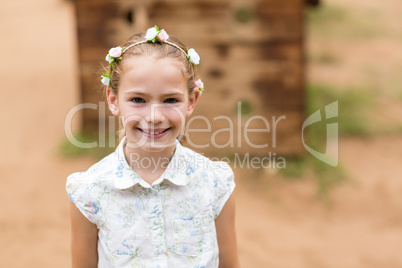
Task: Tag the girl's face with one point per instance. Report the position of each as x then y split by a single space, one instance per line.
153 101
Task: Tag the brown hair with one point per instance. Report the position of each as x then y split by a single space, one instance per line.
158 50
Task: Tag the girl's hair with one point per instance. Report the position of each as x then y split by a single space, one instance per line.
158 50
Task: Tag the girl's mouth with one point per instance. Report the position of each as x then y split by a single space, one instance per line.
155 133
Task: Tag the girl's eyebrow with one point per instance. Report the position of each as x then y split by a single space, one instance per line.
142 93
173 93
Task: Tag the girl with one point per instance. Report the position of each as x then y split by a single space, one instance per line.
153 202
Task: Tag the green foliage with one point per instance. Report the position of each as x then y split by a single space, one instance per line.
353 106
338 30
353 109
325 14
68 149
326 176
245 108
294 167
244 15
307 166
330 20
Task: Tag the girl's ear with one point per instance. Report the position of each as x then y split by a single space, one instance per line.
193 98
112 101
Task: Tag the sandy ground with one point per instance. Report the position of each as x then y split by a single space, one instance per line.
360 228
280 225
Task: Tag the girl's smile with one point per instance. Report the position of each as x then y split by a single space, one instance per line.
155 133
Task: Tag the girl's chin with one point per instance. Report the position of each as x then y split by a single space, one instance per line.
156 146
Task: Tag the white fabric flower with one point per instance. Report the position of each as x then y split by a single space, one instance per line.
115 52
151 33
199 84
105 81
163 36
194 57
109 59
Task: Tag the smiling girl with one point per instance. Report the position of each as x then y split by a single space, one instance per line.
153 202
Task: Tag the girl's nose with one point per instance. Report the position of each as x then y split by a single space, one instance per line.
155 114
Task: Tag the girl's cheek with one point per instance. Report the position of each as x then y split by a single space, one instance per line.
176 115
131 119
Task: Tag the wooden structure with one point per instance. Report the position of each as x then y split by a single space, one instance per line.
251 52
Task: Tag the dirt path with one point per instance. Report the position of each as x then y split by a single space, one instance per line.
361 228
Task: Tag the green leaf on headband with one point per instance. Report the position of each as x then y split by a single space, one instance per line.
106 75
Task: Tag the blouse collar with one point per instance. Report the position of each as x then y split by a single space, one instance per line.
125 177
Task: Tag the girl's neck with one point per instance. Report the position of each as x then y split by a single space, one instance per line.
147 164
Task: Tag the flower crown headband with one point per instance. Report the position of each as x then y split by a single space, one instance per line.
153 35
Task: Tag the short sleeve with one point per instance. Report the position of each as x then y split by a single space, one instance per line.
224 185
78 190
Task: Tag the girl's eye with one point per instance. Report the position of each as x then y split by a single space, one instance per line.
171 100
138 100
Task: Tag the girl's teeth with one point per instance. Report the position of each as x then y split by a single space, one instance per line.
153 133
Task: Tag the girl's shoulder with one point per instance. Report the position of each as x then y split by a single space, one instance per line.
213 177
85 189
94 175
212 166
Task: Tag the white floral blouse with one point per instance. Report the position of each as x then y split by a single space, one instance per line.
167 224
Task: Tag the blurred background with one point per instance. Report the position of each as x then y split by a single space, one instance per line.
277 58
